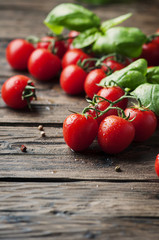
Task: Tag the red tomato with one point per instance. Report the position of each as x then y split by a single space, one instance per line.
157 165
150 51
73 56
72 79
18 52
47 42
112 64
93 78
72 34
14 89
145 123
44 65
79 131
111 93
115 134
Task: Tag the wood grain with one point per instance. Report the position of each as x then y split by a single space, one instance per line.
145 16
50 157
75 210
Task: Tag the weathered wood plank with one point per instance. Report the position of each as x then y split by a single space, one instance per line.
24 17
50 157
79 210
16 25
52 106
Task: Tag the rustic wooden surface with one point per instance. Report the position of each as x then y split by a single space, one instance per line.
50 192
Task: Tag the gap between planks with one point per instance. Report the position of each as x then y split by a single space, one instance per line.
30 124
63 180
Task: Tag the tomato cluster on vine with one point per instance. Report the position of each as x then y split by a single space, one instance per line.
118 124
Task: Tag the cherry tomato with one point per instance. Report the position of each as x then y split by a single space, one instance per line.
115 134
112 65
44 65
72 56
52 43
18 52
79 131
15 88
72 34
145 123
150 51
93 78
111 93
157 165
72 79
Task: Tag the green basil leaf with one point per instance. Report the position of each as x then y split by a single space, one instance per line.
115 21
86 38
123 40
129 77
149 95
71 16
153 75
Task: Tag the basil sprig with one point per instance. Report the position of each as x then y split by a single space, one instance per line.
103 38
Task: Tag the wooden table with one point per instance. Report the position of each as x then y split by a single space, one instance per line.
50 192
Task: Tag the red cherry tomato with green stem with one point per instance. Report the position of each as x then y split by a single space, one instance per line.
53 44
115 134
43 65
79 131
111 93
18 91
18 52
144 121
72 79
112 65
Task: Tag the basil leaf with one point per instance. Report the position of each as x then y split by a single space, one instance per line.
71 16
129 77
86 38
149 95
153 75
123 40
115 21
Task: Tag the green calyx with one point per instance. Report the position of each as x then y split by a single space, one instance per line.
29 93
